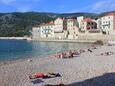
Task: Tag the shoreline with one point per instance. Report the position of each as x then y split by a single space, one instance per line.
16 38
7 62
49 40
64 40
58 40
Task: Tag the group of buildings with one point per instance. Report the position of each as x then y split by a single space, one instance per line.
62 28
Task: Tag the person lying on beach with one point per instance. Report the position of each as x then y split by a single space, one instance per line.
75 53
44 75
65 55
69 54
93 47
107 53
81 51
61 55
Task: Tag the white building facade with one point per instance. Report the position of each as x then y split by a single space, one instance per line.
47 31
59 25
59 29
79 20
72 28
43 31
108 24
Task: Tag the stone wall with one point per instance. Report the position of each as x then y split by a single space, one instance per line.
95 37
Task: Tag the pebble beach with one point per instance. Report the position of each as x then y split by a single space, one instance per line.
87 69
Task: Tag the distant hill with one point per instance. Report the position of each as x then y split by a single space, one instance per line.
20 24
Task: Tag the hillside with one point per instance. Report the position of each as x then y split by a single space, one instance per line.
20 24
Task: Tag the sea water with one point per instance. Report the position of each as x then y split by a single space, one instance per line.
20 49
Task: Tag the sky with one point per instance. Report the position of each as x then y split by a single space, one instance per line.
57 6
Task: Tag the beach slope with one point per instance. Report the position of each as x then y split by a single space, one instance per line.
75 71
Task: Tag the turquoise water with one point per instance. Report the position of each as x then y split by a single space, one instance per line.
19 49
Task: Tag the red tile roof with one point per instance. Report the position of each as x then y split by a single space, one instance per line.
51 22
63 19
87 20
111 14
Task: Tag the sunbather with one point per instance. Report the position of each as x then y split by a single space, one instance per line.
63 55
93 46
81 51
44 75
58 55
108 53
76 53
